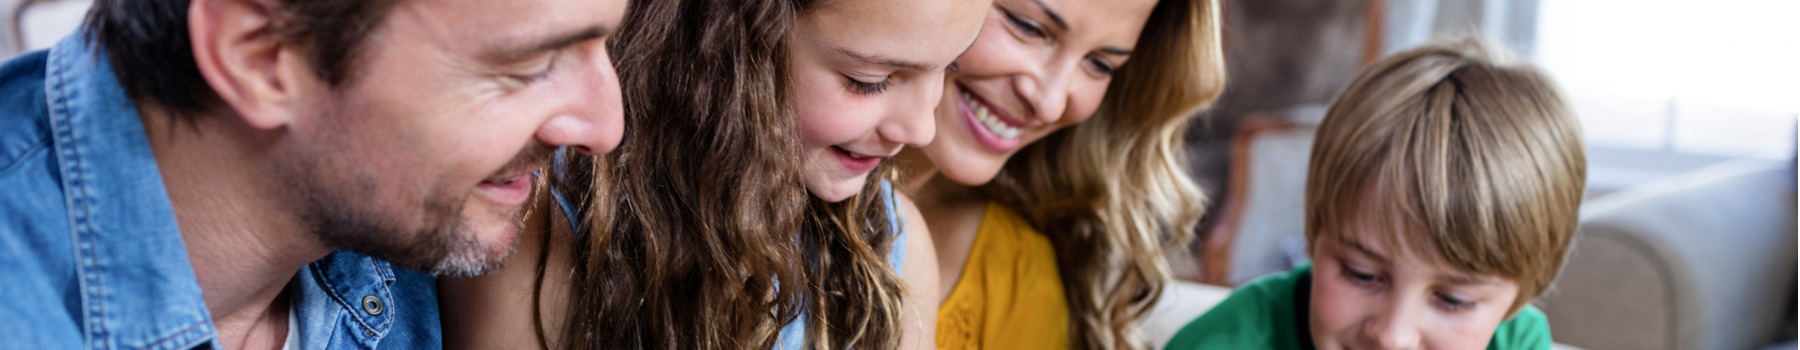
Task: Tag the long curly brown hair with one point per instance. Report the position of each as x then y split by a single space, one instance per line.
693 225
855 294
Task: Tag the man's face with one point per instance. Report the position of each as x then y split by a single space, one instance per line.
424 155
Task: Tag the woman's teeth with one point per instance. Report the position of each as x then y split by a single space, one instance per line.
988 120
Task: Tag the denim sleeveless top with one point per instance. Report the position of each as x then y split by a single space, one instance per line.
793 335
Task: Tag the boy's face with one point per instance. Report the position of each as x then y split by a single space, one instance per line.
1366 295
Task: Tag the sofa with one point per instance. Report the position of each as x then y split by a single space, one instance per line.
1705 260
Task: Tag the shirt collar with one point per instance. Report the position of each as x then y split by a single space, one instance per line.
1303 308
137 287
345 295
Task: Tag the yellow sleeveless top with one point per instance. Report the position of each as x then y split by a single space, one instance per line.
1010 295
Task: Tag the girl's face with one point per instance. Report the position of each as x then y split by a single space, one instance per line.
866 75
1039 66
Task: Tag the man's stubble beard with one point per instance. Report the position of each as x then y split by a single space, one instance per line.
338 202
342 216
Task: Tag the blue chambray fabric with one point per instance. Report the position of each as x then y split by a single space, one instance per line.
90 253
793 335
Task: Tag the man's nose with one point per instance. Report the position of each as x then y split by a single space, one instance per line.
594 120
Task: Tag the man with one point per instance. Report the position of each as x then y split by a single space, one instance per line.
252 173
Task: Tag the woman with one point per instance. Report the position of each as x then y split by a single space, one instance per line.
738 212
1056 177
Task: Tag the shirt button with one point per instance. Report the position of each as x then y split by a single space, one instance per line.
371 304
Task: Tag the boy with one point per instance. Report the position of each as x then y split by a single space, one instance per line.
1442 199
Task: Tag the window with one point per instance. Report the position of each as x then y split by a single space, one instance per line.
1718 78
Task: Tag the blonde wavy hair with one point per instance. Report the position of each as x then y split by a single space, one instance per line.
1113 194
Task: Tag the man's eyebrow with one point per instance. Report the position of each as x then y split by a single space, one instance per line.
1054 17
878 60
510 53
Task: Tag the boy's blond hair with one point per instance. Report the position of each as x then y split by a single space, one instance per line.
1467 161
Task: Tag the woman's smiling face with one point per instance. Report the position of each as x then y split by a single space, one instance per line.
1038 67
866 75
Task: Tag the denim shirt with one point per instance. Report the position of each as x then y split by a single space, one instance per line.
90 253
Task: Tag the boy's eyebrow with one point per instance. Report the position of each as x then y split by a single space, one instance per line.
1364 250
1465 279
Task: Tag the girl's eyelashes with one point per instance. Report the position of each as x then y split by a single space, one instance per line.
1029 27
866 88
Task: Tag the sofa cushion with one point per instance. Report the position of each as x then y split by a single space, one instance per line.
1701 261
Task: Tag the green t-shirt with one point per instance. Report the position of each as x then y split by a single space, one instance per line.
1270 313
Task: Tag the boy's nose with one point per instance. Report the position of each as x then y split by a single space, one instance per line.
1394 329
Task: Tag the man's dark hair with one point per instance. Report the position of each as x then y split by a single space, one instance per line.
148 43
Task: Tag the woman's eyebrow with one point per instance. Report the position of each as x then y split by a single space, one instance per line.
1064 25
1054 17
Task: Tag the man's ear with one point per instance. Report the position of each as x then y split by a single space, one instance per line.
240 51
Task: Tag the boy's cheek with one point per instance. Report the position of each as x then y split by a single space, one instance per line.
1335 311
1466 331
1472 329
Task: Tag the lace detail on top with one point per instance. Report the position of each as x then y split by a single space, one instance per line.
1010 295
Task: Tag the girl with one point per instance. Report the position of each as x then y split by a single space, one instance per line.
1056 180
739 212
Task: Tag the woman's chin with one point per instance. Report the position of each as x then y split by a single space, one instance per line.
972 173
964 162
